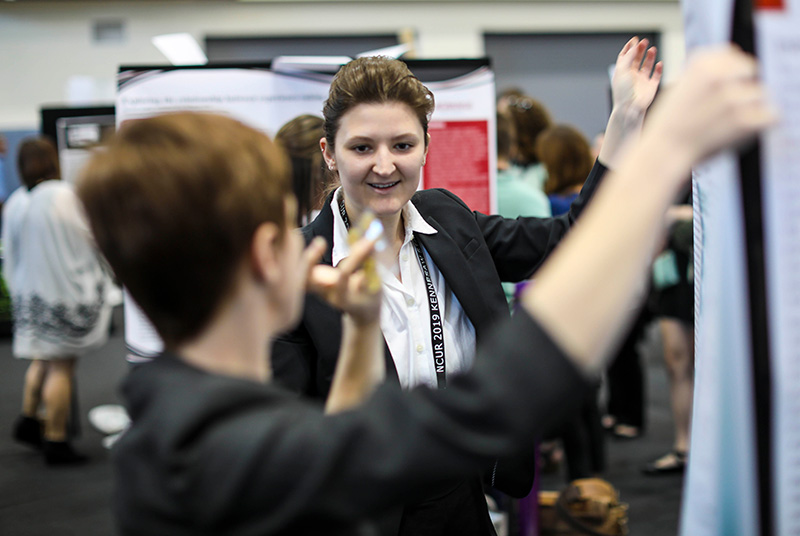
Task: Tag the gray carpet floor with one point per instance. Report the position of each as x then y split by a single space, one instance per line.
39 501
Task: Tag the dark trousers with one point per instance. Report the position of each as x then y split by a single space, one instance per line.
584 441
459 510
626 379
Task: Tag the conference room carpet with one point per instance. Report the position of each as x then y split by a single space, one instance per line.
36 500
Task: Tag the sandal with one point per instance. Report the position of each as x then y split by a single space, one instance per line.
626 431
671 463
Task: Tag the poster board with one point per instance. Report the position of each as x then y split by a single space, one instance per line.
461 155
778 44
718 500
744 470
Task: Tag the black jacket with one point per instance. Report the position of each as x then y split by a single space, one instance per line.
215 455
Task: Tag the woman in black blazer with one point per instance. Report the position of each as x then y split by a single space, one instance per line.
442 283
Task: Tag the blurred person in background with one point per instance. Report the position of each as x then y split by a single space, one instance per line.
515 197
530 118
567 158
59 292
300 139
672 303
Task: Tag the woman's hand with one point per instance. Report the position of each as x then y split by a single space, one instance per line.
635 82
633 88
347 286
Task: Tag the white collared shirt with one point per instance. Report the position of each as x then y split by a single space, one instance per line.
405 314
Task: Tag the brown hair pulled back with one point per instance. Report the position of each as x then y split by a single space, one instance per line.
375 79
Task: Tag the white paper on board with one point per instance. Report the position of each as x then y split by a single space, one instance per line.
779 53
720 490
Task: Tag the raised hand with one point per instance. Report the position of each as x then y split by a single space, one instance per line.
633 88
636 76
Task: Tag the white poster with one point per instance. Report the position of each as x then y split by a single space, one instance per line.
778 38
720 490
259 97
718 499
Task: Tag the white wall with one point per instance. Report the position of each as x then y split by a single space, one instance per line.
43 45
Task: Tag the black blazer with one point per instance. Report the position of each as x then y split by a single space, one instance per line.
474 252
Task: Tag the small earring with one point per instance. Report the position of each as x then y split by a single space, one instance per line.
330 166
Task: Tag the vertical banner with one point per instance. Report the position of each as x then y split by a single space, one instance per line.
719 500
777 25
744 473
462 156
721 487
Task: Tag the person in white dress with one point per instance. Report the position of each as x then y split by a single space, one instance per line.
59 292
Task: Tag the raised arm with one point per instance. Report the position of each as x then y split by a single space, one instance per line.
718 103
633 88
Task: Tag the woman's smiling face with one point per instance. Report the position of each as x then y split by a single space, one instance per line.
379 152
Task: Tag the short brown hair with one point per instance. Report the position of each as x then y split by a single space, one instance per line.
530 118
37 161
173 202
566 155
375 79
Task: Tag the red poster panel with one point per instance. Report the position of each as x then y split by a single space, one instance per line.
770 5
458 160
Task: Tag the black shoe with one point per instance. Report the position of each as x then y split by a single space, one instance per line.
61 453
28 430
671 463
